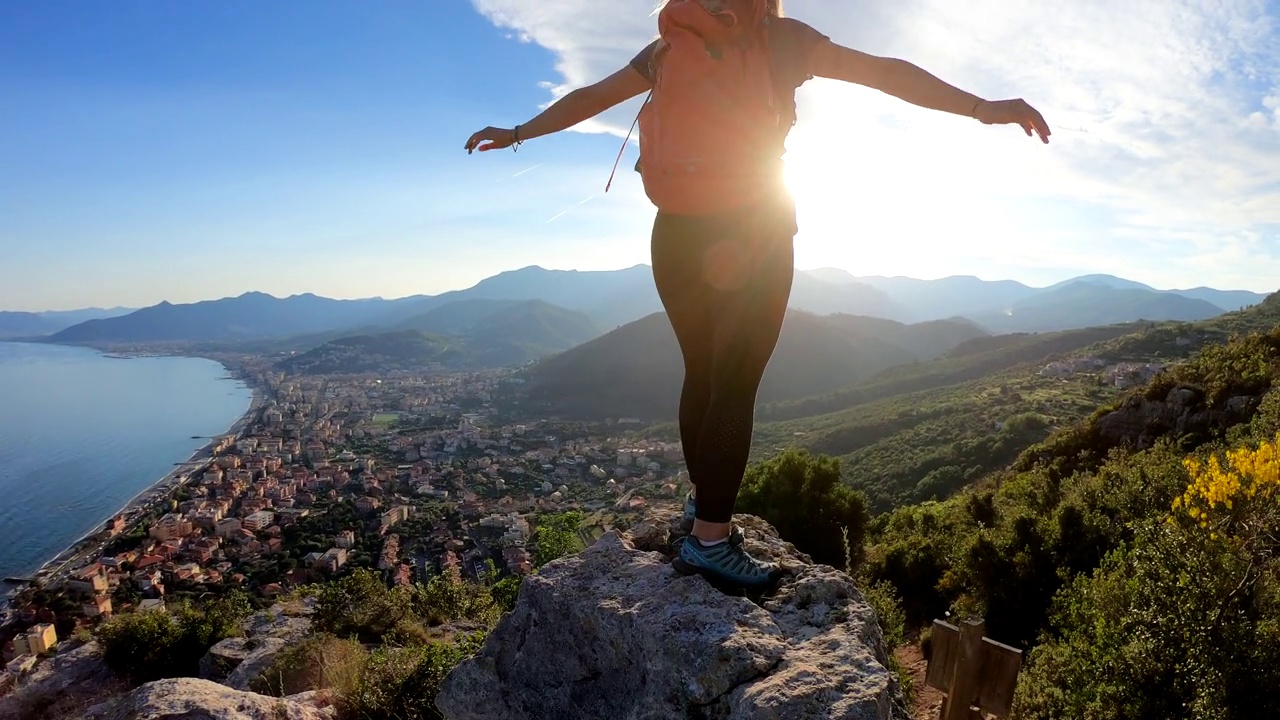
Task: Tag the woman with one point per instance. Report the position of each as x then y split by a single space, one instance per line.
722 241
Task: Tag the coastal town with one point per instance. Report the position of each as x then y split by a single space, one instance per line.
411 475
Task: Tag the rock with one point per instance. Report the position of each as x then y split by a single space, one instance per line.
224 657
615 632
267 649
237 662
195 699
74 677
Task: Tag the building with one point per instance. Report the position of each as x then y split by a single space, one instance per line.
258 520
89 580
332 560
170 527
98 606
346 540
227 527
38 639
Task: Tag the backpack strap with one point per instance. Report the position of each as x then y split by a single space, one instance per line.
626 140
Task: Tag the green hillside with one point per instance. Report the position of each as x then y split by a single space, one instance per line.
404 351
636 370
926 430
1132 605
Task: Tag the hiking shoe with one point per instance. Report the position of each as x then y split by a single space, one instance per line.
725 564
690 510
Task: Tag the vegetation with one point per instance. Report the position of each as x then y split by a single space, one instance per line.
153 644
1139 571
802 497
635 370
557 536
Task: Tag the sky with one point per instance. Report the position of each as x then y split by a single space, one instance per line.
184 151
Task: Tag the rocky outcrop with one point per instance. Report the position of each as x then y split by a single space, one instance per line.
237 662
1139 421
615 632
195 699
61 685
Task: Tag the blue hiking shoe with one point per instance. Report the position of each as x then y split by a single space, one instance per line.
690 508
726 565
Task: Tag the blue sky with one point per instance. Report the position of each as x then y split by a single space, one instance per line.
185 151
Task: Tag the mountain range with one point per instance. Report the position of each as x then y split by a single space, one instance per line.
610 299
35 324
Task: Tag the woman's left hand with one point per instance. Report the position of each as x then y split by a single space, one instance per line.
1013 112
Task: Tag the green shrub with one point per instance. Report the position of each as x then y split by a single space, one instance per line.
320 662
803 497
157 644
402 683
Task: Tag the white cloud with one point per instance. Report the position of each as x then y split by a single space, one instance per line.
1166 118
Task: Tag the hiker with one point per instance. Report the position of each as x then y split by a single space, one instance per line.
722 78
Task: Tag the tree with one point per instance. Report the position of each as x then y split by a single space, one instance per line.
557 536
803 497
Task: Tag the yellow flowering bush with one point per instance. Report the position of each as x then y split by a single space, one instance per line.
1224 487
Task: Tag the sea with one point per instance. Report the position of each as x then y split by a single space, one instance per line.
82 433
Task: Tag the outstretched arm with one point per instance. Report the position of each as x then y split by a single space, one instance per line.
578 105
908 82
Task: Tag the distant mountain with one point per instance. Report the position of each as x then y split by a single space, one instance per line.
609 297
1087 304
950 296
35 324
636 370
468 334
248 316
1226 299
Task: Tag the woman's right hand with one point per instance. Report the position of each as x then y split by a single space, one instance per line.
493 139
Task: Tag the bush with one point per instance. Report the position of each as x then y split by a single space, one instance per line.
158 644
556 537
320 662
361 605
803 497
402 683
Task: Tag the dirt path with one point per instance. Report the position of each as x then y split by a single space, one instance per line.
926 702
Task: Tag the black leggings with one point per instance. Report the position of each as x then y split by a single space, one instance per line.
724 282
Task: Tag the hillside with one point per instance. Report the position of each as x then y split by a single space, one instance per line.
926 430
402 351
542 327
466 335
1108 554
636 370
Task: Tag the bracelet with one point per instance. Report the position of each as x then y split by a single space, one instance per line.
974 111
515 139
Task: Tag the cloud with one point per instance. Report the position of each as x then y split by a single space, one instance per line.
1166 113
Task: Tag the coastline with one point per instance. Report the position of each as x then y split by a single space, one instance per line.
157 491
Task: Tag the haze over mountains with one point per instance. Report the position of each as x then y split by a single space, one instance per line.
613 298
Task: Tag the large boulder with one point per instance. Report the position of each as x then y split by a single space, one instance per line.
196 699
60 686
237 662
616 632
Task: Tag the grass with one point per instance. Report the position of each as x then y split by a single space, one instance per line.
385 418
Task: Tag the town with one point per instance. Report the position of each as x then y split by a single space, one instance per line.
410 475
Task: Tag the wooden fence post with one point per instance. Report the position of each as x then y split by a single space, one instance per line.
972 670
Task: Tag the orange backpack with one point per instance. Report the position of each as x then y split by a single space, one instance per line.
711 135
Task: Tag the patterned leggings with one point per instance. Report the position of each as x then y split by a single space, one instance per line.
725 282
